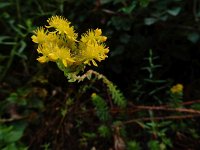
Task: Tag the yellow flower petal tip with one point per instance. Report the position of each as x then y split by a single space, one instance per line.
40 35
42 59
98 32
93 95
104 38
53 57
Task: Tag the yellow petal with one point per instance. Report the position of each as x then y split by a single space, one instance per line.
42 59
98 32
104 38
53 57
70 59
94 63
64 62
106 50
34 39
39 49
87 62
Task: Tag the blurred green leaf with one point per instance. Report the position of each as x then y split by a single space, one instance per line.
133 145
120 23
193 37
104 131
118 51
12 133
144 3
163 17
5 4
7 40
11 146
128 9
174 11
125 38
89 135
105 1
150 21
21 49
154 145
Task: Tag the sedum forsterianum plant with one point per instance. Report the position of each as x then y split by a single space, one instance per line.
58 42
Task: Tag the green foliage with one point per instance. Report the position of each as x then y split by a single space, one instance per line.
154 144
133 145
152 67
104 131
176 99
19 97
101 107
17 107
144 3
10 136
156 85
46 146
159 131
15 39
116 94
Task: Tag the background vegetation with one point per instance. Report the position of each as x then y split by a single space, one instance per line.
153 45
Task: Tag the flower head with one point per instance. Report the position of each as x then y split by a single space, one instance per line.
93 36
62 26
92 52
62 54
60 44
177 89
40 35
44 49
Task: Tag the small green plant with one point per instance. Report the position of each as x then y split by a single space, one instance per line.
176 95
150 87
158 130
102 110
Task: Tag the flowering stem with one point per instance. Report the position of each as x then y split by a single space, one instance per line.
116 94
89 74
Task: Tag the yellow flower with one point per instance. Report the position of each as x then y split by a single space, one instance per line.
44 49
98 32
92 52
178 88
62 54
62 26
93 95
40 36
99 37
60 44
53 38
93 36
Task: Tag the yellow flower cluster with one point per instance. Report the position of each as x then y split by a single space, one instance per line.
178 88
58 42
